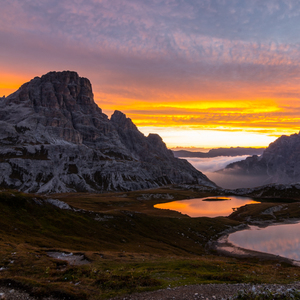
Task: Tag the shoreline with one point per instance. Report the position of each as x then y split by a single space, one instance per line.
224 247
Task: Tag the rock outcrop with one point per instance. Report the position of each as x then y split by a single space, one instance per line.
54 138
279 163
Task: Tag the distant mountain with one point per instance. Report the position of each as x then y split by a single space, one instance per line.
54 138
279 163
237 151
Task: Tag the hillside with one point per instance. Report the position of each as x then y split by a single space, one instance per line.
127 245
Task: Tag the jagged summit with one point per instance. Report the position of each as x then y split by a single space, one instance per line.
120 119
279 163
54 138
59 90
56 106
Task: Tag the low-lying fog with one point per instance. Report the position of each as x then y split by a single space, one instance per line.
214 163
225 179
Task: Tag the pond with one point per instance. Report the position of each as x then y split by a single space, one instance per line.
207 207
279 239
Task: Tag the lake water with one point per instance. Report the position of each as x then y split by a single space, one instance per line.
202 208
283 239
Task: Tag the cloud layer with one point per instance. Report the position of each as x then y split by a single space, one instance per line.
226 65
215 163
225 179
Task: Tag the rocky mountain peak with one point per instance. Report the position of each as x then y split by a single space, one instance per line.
120 119
279 163
57 90
56 106
54 138
154 138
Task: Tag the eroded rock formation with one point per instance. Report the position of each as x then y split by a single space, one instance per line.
54 138
279 163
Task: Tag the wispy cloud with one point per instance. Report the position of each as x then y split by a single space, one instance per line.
171 52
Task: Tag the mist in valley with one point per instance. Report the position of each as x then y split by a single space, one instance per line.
227 178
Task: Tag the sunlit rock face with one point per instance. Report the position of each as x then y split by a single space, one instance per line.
279 163
54 138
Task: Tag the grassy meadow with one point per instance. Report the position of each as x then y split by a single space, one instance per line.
131 246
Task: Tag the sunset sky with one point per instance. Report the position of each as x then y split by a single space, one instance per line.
203 73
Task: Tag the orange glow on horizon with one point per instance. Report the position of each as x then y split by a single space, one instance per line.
240 117
10 82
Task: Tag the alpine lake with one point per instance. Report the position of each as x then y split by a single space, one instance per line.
208 206
278 239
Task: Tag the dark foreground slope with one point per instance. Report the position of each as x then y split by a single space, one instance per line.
279 163
128 246
54 138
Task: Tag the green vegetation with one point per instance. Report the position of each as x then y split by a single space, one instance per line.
131 246
267 212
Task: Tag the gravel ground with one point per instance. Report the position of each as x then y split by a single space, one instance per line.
193 292
203 291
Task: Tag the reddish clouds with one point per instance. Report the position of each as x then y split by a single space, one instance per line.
179 65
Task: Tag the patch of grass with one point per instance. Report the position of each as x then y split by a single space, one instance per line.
130 200
130 250
110 275
259 212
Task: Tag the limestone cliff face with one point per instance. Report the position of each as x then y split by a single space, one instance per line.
54 138
279 163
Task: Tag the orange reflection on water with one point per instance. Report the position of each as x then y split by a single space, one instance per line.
199 208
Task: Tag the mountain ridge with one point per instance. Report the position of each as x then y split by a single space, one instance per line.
54 138
279 163
233 151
